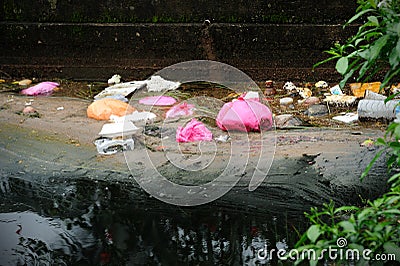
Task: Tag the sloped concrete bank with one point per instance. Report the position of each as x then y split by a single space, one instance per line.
310 166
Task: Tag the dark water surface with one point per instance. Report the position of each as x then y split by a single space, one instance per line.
78 221
62 205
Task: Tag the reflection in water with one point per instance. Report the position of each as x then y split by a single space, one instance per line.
70 221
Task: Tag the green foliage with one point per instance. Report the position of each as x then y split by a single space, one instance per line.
376 45
376 226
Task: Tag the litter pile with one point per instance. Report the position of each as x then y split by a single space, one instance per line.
125 106
320 98
245 113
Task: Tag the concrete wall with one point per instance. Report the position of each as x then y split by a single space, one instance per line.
278 40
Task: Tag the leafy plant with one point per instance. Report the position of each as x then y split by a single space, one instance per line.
376 45
376 226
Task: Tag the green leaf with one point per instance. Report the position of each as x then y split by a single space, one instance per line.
393 178
314 261
356 246
346 208
394 56
301 241
364 69
358 15
397 132
373 20
376 48
346 77
392 248
372 3
313 233
357 42
347 226
326 60
342 65
392 211
389 75
380 141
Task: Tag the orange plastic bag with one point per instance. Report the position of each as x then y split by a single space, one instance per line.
358 89
104 108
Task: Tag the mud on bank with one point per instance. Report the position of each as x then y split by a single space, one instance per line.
310 166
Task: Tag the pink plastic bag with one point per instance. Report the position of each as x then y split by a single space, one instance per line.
182 109
158 100
193 131
244 115
43 88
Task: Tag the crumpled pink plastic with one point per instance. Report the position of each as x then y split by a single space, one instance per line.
158 100
193 131
43 88
244 115
182 109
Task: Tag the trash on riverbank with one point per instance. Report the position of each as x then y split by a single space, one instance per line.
136 116
377 109
158 100
104 108
287 121
346 118
154 84
112 130
222 138
24 82
114 79
182 109
107 146
158 84
251 95
44 89
30 111
193 131
335 90
309 101
286 101
340 100
368 143
370 95
269 89
289 87
119 97
244 115
358 89
123 89
29 103
321 84
305 93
